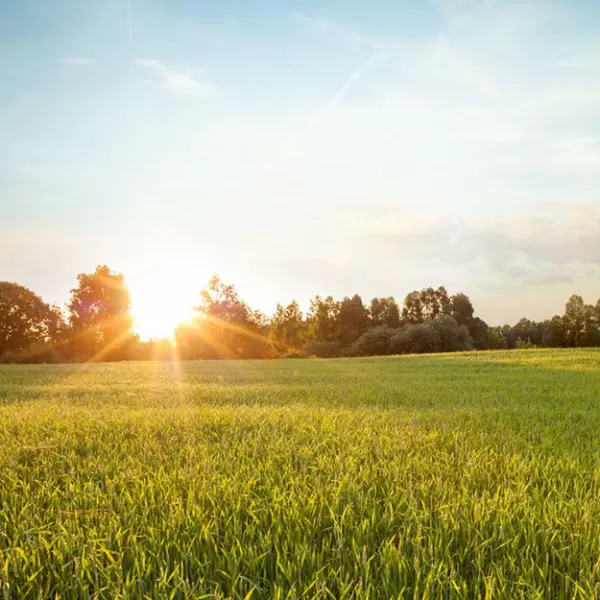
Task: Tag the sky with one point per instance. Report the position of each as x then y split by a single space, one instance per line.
300 148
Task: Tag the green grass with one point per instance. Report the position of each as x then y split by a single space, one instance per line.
471 476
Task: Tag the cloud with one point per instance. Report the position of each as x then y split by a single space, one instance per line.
179 82
577 62
325 24
539 247
457 66
337 98
77 61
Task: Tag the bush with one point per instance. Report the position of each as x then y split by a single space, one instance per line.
374 342
525 344
323 348
443 334
37 353
452 336
414 339
348 352
295 354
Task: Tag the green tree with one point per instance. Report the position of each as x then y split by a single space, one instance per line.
420 306
323 319
26 319
461 309
100 315
384 312
453 337
555 335
353 319
435 302
527 330
224 327
413 311
287 327
575 320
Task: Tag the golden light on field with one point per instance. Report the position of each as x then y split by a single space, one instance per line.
159 302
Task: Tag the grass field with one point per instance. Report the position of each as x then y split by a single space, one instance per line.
471 476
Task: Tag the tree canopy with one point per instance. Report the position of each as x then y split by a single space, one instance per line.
26 319
97 325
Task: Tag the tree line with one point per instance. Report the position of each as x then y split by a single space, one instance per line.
97 325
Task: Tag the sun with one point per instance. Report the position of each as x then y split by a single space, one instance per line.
159 304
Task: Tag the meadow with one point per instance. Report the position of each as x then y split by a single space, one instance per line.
447 476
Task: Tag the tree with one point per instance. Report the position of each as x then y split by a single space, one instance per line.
435 302
224 327
478 330
353 319
384 312
26 319
100 314
594 320
323 319
287 327
452 336
575 320
412 310
461 309
591 326
555 333
420 306
493 339
525 330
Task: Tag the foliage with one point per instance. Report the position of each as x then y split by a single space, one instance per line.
323 319
384 312
424 305
461 309
100 316
287 328
225 326
525 344
322 348
25 320
374 342
353 319
442 334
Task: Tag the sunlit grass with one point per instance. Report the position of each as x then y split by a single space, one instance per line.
418 477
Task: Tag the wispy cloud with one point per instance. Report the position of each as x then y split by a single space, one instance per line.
554 238
337 98
342 31
78 61
381 53
456 65
180 82
577 62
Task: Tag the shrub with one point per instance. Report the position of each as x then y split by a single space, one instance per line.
414 339
525 344
374 342
442 334
323 348
295 354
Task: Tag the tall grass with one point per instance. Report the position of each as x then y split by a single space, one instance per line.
419 477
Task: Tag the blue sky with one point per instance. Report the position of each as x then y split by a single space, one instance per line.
299 148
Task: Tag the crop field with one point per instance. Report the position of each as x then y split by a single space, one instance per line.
448 476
